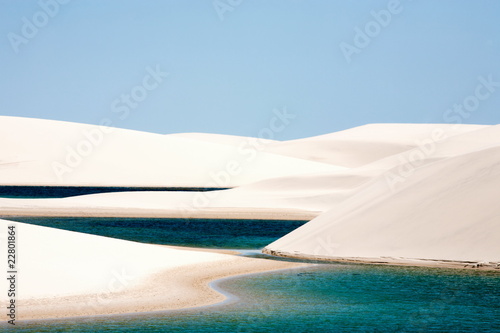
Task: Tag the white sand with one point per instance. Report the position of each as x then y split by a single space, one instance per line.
361 145
63 273
443 208
46 152
55 262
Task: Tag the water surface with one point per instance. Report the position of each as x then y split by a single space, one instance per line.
210 233
327 298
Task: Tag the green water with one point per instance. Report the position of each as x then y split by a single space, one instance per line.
319 298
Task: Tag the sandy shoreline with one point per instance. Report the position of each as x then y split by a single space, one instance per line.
389 261
179 288
184 287
201 249
223 213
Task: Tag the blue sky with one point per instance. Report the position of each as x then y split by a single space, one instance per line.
230 63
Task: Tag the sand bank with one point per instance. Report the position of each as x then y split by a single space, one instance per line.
12 208
178 288
61 273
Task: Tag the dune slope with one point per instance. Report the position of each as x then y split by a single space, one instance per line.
444 211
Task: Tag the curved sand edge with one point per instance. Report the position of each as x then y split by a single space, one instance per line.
393 261
172 289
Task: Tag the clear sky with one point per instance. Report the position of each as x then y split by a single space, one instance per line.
331 64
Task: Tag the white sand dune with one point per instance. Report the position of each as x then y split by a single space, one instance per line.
361 145
232 140
46 152
288 195
299 196
445 211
